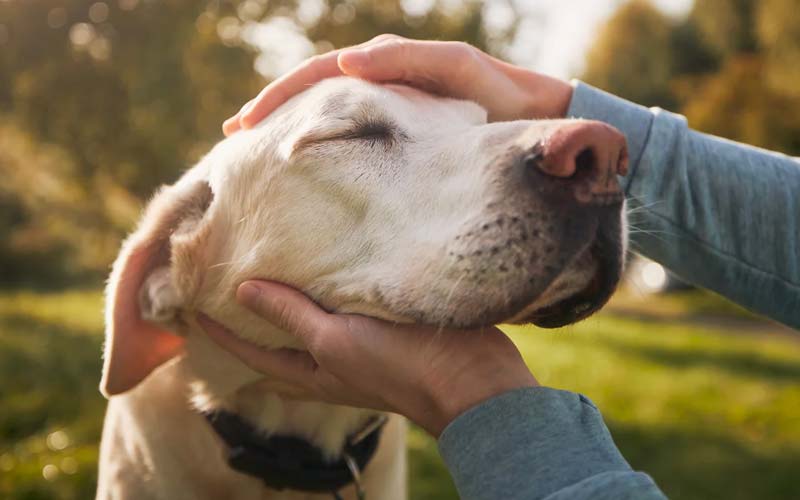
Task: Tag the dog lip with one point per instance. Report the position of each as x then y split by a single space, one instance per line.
592 297
571 309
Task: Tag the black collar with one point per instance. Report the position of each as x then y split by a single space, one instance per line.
289 462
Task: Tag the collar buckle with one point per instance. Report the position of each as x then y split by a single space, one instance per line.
373 425
356 473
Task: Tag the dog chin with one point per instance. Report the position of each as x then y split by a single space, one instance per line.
569 304
582 289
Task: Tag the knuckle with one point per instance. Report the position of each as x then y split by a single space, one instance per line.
463 51
401 43
284 314
328 338
312 62
350 325
323 342
401 51
384 37
320 342
466 58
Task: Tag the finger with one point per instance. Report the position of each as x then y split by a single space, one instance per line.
281 90
414 61
232 125
288 309
285 364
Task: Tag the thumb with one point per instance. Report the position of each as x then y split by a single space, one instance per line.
286 308
284 364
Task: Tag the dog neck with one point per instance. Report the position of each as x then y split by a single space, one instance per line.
217 380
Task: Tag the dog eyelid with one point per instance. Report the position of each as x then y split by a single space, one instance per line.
372 130
369 131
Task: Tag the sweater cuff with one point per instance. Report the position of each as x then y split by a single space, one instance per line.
544 438
633 120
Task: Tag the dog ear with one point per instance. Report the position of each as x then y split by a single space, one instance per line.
141 297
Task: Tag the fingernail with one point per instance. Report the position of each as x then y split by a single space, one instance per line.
354 59
228 125
248 294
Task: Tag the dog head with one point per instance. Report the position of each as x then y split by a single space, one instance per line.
379 200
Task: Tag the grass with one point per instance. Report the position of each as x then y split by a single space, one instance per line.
709 411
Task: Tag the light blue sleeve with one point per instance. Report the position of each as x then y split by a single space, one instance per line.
538 443
719 214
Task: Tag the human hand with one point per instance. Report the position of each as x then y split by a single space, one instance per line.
452 69
429 375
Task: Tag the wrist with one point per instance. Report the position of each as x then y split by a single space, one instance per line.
464 393
547 97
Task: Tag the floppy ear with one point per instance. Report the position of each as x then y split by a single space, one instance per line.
141 287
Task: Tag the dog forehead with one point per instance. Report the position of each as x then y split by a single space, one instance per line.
251 157
341 97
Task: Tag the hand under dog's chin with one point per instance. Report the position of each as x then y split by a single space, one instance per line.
218 380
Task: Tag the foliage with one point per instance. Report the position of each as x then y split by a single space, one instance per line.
778 28
738 102
632 55
731 66
709 411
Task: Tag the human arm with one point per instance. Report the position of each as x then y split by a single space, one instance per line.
719 214
501 435
539 443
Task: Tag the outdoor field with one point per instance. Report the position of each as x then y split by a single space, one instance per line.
703 398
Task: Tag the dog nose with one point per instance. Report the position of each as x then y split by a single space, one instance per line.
588 154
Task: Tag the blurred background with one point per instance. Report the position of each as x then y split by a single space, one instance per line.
102 101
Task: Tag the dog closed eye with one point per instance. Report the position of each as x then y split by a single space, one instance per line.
370 130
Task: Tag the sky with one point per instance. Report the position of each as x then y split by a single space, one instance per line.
559 32
553 37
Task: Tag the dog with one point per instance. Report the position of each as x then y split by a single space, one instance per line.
379 200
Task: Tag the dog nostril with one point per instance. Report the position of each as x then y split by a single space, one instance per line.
585 162
533 159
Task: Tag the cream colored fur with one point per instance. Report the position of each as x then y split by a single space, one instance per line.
403 226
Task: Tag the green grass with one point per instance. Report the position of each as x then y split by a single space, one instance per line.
709 411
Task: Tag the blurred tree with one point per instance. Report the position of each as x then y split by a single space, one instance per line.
737 103
46 226
726 25
632 55
779 33
689 55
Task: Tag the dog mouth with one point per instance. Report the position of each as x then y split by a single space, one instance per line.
606 254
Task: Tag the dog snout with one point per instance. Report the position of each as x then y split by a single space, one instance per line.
586 156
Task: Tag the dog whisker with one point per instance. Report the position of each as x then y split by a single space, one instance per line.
221 264
641 208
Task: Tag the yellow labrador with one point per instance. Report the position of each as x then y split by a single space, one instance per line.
378 200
